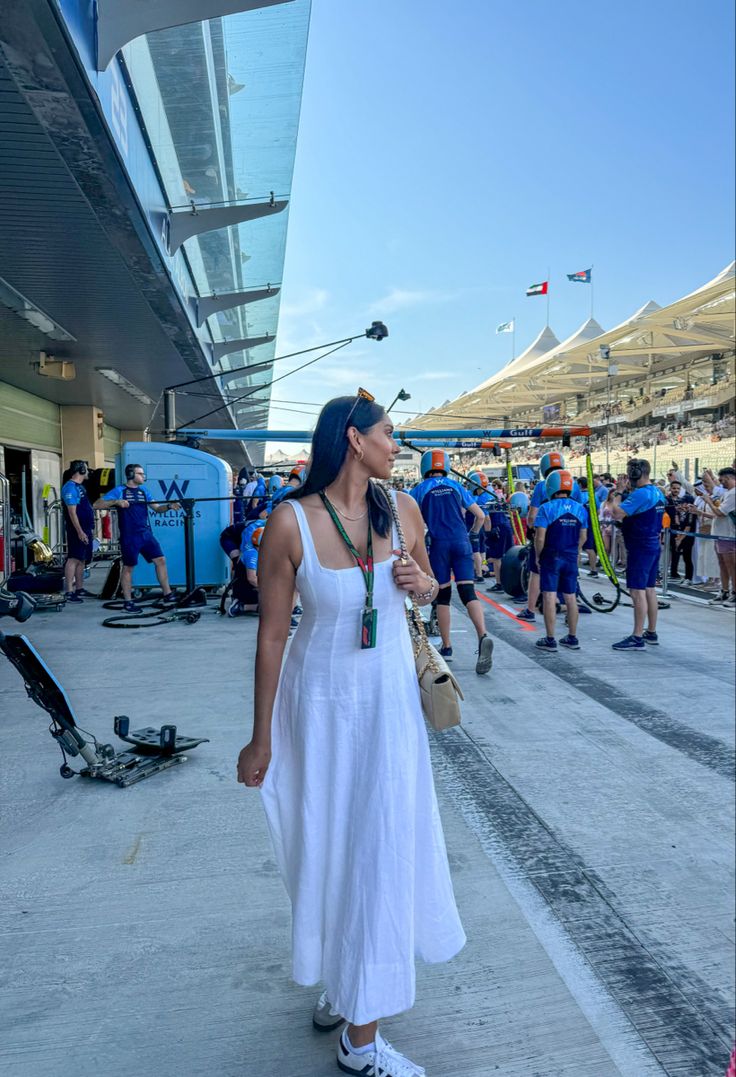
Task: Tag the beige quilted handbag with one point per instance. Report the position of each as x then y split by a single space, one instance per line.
440 693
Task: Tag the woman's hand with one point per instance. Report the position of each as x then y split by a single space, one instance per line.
408 576
253 763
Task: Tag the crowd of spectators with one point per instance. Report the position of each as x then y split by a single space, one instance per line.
691 509
670 435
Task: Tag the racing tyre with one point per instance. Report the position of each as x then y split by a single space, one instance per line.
514 571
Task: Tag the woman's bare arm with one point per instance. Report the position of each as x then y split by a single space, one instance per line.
279 557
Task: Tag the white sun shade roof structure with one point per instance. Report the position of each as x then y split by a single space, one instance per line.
653 339
477 397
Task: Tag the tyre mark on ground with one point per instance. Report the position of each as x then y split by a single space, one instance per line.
700 747
683 1022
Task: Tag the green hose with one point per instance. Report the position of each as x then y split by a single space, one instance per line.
600 548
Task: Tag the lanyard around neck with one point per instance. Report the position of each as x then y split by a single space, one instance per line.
365 566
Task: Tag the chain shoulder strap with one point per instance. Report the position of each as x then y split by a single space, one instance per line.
415 620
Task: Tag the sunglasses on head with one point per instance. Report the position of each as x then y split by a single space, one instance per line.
362 394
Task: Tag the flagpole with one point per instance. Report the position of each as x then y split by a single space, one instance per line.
513 339
548 276
591 291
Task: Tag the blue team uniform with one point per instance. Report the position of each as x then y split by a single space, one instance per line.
246 542
279 496
443 502
478 542
539 498
563 519
136 536
644 508
74 493
501 537
601 495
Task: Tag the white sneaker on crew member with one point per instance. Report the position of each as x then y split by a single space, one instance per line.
382 1061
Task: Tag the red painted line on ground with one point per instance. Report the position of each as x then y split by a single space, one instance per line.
522 624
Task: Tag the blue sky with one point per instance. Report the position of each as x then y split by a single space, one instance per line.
449 154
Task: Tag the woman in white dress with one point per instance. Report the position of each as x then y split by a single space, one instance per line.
339 747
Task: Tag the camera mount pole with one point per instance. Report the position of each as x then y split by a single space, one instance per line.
376 331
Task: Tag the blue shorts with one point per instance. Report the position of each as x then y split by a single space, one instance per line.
450 559
558 572
498 541
76 549
145 545
532 563
642 568
590 540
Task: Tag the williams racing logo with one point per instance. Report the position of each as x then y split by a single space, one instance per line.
173 492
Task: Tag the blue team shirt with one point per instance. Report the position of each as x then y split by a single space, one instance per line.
249 552
443 502
564 519
74 493
281 494
484 500
644 508
133 521
498 514
601 495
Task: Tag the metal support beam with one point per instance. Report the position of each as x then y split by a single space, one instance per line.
487 437
185 223
228 378
224 347
119 21
211 304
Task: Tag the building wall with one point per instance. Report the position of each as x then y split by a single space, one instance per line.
28 421
111 443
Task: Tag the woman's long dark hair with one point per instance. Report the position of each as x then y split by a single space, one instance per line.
330 447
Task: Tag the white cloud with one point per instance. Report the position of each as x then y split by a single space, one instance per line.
350 376
434 375
401 298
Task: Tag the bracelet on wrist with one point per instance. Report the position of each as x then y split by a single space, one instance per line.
424 595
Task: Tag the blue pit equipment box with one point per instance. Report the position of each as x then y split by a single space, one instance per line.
174 472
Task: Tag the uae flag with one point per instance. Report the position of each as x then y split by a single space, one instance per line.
583 277
538 289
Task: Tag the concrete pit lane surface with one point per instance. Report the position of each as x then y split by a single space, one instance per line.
587 802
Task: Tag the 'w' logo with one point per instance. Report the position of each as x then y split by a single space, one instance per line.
173 492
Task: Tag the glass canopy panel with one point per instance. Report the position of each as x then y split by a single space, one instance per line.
221 101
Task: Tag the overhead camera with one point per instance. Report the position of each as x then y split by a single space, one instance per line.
605 352
377 331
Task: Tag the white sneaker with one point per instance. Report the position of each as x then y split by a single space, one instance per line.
384 1061
324 1018
719 598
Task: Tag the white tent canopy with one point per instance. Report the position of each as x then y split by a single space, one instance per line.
653 339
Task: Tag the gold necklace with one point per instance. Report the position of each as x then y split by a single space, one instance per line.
353 519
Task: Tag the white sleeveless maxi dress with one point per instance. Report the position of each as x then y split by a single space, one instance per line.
350 800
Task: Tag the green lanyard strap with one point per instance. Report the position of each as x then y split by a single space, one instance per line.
365 566
369 616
